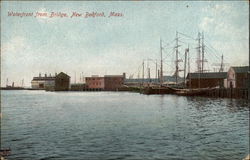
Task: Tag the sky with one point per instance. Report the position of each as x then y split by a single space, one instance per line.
82 46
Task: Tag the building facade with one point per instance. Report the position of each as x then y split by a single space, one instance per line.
113 82
206 80
95 82
42 82
59 82
237 77
107 83
62 82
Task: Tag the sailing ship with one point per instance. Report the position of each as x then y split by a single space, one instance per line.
180 88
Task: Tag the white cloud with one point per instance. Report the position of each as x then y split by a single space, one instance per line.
223 24
14 45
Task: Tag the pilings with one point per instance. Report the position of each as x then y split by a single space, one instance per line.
228 93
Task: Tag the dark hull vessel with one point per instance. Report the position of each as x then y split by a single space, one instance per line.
157 90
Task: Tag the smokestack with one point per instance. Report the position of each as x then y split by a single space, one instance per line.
39 74
55 74
45 75
124 75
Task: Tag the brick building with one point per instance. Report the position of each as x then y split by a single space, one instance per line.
107 83
113 82
95 82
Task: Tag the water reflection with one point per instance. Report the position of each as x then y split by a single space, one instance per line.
113 125
233 105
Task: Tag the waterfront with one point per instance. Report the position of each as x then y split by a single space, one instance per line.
122 125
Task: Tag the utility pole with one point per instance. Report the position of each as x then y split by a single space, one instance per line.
161 70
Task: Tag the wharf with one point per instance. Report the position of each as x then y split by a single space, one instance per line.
236 93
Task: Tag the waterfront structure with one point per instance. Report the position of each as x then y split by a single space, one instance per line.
95 82
62 82
165 80
237 77
59 82
42 82
108 82
206 80
113 82
78 87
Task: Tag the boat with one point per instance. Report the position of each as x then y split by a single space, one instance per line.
192 92
157 90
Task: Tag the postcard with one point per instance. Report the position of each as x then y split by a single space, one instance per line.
132 80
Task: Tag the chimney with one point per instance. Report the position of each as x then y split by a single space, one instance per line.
50 74
45 75
39 74
55 74
124 75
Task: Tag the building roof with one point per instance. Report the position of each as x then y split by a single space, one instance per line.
43 78
62 74
207 75
241 69
113 75
49 77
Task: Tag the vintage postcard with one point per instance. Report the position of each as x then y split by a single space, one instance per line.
130 80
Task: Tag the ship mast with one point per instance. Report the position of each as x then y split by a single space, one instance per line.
177 60
221 65
161 69
185 63
202 51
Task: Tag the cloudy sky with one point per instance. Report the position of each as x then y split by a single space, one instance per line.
113 45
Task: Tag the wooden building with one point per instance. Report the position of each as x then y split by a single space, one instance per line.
62 82
206 80
237 77
42 82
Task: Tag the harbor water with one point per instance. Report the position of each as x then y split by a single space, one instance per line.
39 125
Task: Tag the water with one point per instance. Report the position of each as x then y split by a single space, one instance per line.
40 125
